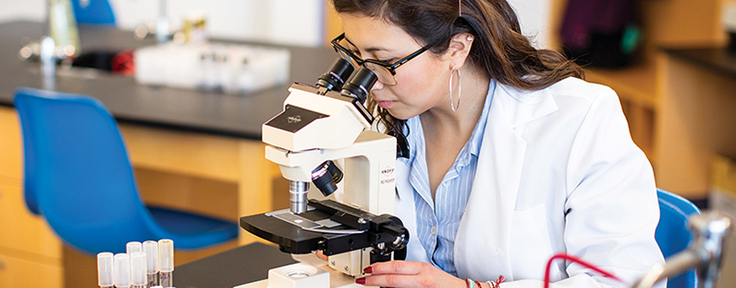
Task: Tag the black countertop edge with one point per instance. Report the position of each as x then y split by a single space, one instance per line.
710 57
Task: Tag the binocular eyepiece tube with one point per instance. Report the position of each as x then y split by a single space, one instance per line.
357 85
326 176
335 77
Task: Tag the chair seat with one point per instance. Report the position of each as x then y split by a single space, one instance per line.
79 177
673 235
95 12
193 228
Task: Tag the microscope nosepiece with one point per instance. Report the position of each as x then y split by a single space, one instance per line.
326 177
298 196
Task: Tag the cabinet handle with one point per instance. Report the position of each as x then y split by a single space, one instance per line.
2 264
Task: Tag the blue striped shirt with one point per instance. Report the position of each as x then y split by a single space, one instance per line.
438 219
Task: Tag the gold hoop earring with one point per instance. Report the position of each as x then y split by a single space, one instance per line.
459 89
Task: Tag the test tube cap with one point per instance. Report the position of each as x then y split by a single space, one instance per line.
138 275
105 269
122 270
132 247
165 255
150 247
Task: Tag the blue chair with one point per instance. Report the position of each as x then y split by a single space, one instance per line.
97 12
673 235
78 176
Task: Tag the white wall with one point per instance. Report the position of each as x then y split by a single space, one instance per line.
298 22
11 10
535 17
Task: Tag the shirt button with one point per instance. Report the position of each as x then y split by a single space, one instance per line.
433 230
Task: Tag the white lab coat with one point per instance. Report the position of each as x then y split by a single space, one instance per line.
564 148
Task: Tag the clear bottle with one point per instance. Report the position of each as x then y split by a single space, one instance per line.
63 28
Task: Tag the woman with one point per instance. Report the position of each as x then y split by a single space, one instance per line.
512 157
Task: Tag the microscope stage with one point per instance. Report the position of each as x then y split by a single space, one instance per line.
290 238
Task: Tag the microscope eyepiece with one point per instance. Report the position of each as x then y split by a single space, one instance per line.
359 84
334 78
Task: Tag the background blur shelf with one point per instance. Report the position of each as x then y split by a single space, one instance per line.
646 88
637 89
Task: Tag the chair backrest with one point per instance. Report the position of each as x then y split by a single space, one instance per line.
77 171
98 12
673 234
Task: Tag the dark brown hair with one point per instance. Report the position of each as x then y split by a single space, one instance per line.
499 48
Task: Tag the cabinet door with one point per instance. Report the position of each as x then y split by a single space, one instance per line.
19 272
20 229
10 144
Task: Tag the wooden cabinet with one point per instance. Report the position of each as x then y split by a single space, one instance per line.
24 272
643 87
30 253
213 175
22 230
10 142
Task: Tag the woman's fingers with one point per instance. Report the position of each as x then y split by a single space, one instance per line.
398 267
391 280
321 255
408 274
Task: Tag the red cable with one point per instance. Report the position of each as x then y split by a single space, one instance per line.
579 261
123 63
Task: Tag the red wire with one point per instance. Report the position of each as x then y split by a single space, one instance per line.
123 63
577 260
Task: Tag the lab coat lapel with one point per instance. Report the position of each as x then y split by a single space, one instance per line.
483 239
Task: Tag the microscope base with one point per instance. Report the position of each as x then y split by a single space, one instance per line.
330 278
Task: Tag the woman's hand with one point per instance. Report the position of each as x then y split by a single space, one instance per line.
408 274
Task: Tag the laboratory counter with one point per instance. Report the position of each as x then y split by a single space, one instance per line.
192 150
237 115
694 117
716 59
231 268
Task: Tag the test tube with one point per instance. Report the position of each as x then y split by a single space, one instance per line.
105 270
122 270
150 247
132 247
138 277
165 262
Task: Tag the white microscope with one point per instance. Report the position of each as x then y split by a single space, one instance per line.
318 127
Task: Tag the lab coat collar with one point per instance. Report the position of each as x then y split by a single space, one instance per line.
527 105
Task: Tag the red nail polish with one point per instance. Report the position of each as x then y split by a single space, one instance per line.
368 270
360 281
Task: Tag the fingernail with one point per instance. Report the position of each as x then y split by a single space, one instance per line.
368 270
360 281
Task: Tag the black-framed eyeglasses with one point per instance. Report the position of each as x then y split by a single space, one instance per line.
385 72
